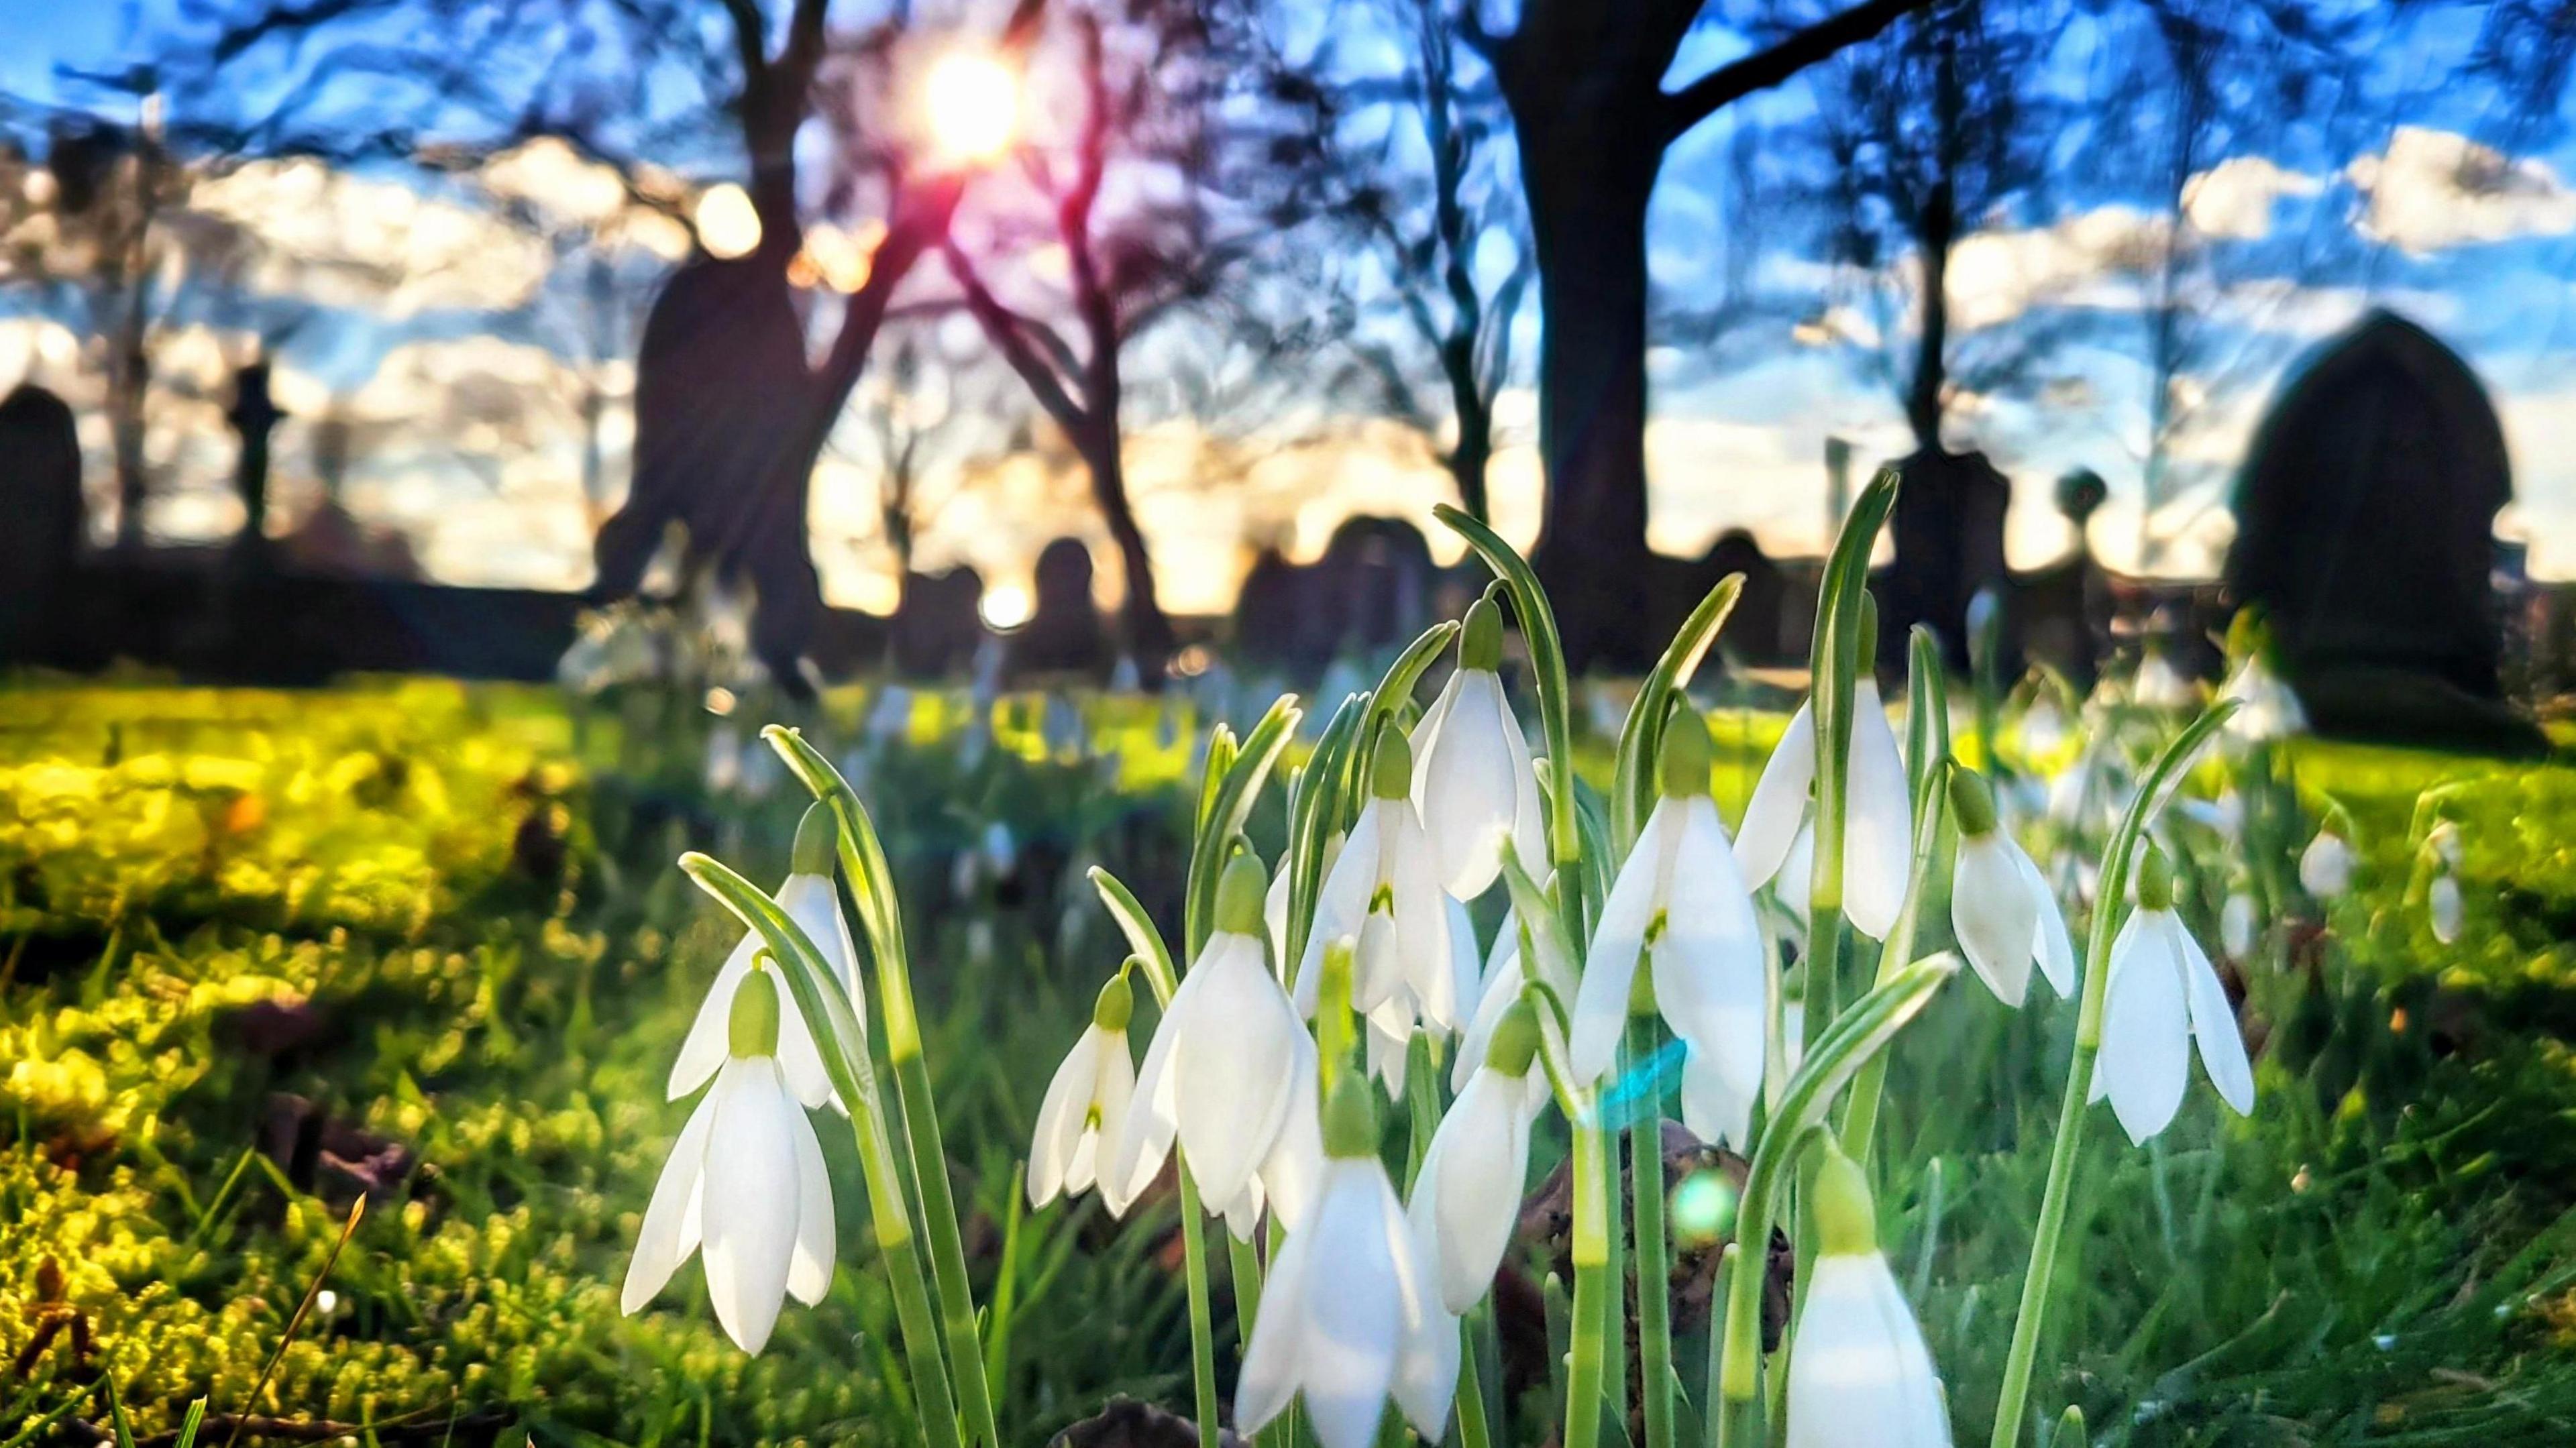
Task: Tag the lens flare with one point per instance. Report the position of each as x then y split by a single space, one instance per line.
973 102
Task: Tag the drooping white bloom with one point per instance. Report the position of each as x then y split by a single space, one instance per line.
2442 906
1385 872
1878 827
2164 995
1348 1316
2266 706
2159 685
1473 783
1085 1104
1716 1105
745 1186
2002 911
809 899
1467 1195
2325 866
2237 931
1859 1373
1679 902
2043 726
1218 1073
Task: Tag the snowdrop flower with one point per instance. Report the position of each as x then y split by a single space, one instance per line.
1385 874
1878 828
723 769
1218 1073
1086 1103
2267 707
745 1186
2237 930
1679 902
2159 685
1468 1193
1348 1317
2000 908
2442 905
809 900
2164 995
1473 784
2043 725
1859 1374
2325 866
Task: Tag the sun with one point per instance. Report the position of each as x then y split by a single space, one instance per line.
973 103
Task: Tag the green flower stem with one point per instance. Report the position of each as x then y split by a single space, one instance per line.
916 1116
1654 1261
2153 790
1202 1319
1245 1260
822 1003
1712 1397
1473 1430
1594 1292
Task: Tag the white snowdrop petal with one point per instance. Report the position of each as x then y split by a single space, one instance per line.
1529 821
2213 1021
1295 1166
1270 1375
668 1234
1145 1132
2055 947
1463 783
1355 1324
1341 902
1859 1372
810 901
1994 915
809 1266
1878 829
750 1200
1231 1084
1779 800
1708 967
1601 999
1715 1106
1421 917
1466 963
1060 1117
2146 1032
702 1051
1495 997
1484 1161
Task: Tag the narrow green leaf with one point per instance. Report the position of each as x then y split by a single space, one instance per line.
1142 937
1231 804
1641 738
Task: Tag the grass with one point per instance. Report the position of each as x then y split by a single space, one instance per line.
263 953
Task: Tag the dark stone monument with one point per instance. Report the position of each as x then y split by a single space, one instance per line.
1753 631
2366 531
935 631
1063 634
1949 527
40 497
254 415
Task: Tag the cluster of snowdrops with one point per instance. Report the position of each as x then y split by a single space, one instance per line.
1340 979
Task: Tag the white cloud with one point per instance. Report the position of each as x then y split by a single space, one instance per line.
1996 276
2234 198
2433 190
346 240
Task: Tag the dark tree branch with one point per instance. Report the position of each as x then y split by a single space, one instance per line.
1764 69
1008 331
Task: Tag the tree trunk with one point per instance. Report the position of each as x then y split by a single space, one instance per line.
1589 174
1475 446
1149 631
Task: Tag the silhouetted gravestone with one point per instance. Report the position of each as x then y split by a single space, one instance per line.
40 501
1265 610
254 415
1949 527
1063 632
2366 530
1753 630
1372 588
936 629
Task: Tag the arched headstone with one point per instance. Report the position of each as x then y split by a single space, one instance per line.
2365 529
40 496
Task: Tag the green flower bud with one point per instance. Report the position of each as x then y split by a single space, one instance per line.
1480 641
1846 1219
1972 802
751 1029
1116 1004
1515 1042
817 840
1685 768
1391 773
1240 893
1350 1119
2155 879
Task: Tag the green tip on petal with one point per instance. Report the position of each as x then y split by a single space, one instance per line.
1867 654
752 1027
816 839
1116 1004
2155 880
1515 1042
1391 772
1240 892
1846 1218
1972 802
1685 766
2070 1429
1480 641
1350 1119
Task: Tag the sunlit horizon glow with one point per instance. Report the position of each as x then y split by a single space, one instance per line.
972 100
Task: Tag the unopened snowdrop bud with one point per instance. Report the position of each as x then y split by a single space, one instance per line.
2000 907
1859 1373
1472 783
2325 866
1467 1195
810 900
745 1184
1348 1316
1878 823
1219 1076
1386 871
2164 995
2442 905
2237 930
1086 1103
1680 904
